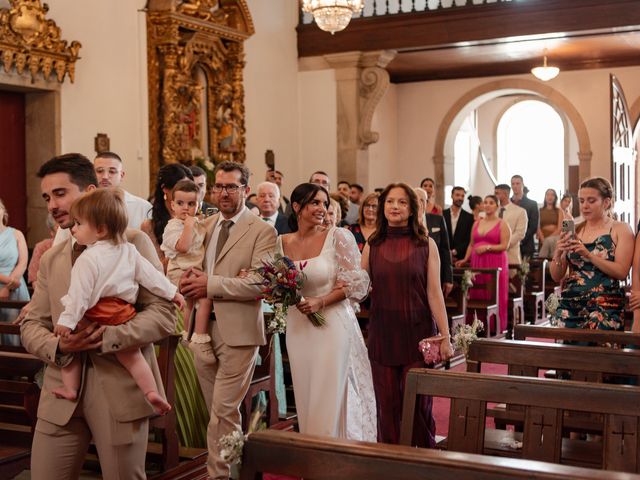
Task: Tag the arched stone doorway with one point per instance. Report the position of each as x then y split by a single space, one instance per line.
444 147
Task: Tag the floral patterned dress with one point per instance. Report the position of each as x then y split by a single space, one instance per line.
590 298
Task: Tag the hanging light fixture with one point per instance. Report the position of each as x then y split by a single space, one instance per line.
332 15
545 72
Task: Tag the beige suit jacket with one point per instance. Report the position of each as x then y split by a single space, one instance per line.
155 320
235 300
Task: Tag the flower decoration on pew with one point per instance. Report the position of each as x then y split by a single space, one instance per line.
551 304
467 282
524 270
281 283
231 444
467 334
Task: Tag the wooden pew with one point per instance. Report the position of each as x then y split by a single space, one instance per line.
456 301
599 337
587 364
487 310
544 402
19 396
323 458
535 291
516 299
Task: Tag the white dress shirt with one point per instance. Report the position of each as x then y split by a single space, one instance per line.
210 254
454 221
270 220
109 270
137 209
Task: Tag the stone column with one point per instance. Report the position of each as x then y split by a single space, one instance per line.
361 81
584 167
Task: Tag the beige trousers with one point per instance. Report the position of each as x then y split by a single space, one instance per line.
224 379
58 452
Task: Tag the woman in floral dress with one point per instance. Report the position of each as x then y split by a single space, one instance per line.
592 264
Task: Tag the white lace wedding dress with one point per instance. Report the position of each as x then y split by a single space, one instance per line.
330 367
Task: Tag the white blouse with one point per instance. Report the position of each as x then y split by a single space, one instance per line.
108 270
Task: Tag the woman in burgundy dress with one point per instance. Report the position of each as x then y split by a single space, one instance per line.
490 238
405 300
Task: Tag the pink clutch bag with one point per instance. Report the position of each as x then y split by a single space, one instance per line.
430 349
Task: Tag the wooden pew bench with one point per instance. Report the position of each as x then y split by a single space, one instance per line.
598 337
19 396
544 402
534 295
487 308
529 359
323 458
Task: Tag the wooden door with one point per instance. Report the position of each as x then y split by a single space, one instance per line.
13 187
623 156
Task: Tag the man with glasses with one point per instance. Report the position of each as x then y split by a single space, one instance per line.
236 241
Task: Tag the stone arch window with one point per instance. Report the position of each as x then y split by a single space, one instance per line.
531 142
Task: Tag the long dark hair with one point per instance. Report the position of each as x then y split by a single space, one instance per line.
417 231
168 176
302 195
554 205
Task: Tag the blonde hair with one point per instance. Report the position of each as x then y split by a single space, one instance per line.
103 207
5 215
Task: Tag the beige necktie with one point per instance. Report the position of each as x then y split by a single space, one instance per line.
76 251
225 225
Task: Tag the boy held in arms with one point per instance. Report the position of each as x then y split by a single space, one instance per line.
104 285
183 245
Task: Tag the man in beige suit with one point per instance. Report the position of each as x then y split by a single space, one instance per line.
110 409
236 240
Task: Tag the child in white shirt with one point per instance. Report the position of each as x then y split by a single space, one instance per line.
183 245
104 286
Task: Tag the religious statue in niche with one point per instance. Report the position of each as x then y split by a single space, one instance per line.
188 119
227 121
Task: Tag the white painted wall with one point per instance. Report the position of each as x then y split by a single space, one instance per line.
317 120
271 90
382 155
110 90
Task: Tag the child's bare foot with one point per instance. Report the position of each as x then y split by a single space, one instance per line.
160 405
64 392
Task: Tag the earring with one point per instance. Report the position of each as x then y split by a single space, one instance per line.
165 197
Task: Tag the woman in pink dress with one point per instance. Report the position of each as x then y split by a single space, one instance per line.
488 249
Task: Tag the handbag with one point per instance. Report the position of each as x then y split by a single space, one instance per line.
430 349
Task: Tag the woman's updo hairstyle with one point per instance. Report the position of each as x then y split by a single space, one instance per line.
303 194
604 188
492 197
474 201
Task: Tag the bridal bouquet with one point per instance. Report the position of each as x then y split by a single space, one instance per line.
281 284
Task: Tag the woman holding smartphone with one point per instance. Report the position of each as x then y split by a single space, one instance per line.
591 259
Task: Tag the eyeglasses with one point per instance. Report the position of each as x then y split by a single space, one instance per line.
231 188
372 206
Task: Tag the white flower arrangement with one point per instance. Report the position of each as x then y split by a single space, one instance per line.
467 281
231 446
551 304
524 270
277 323
467 334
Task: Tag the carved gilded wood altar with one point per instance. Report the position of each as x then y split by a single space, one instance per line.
29 42
196 96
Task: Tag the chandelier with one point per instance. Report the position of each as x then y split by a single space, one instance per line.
545 72
332 15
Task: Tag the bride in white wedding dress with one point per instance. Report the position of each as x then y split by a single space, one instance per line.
330 367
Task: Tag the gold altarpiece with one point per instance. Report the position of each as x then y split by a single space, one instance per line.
195 65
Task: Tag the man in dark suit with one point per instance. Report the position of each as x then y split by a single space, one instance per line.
268 200
527 245
459 224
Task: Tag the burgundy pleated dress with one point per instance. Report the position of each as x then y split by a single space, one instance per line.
399 318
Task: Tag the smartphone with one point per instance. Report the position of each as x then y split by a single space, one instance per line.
570 227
